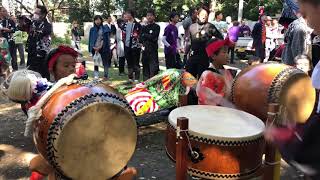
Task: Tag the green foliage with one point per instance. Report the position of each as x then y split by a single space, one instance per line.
79 10
56 41
105 7
83 11
251 8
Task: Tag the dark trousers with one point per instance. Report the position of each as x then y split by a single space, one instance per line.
106 61
173 61
260 51
133 57
150 63
231 49
20 49
38 64
196 65
13 53
122 63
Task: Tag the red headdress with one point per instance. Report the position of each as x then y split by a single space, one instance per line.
56 53
216 45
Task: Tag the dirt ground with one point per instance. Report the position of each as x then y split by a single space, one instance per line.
150 158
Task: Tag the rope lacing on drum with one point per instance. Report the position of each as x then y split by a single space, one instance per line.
194 154
35 111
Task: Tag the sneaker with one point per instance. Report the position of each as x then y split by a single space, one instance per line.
96 77
130 80
122 74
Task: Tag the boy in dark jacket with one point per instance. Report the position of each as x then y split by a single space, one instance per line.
149 39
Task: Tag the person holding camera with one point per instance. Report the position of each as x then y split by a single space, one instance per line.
39 41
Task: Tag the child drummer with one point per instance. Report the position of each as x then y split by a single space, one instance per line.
214 84
27 87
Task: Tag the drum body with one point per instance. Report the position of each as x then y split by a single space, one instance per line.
229 142
86 131
257 86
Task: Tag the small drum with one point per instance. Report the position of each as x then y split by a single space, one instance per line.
257 86
86 131
226 143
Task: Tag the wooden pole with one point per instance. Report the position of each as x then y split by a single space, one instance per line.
272 155
181 148
183 100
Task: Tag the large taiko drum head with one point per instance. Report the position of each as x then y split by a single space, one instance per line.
257 86
230 141
87 131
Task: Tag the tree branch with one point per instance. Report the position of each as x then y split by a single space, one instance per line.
43 2
23 6
60 4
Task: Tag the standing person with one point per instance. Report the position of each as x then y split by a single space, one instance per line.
218 22
149 39
170 41
120 47
18 39
76 38
271 36
75 34
296 39
229 22
131 33
99 44
259 38
7 28
245 30
233 34
39 41
200 33
192 18
5 58
112 36
275 26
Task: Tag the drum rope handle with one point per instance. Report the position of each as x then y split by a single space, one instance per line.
188 139
189 144
272 163
35 111
186 133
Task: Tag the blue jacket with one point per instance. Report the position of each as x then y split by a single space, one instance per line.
93 35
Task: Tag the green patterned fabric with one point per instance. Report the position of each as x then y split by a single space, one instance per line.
164 88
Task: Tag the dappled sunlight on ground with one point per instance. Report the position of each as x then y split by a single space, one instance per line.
14 162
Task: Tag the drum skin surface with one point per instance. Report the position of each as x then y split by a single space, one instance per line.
257 86
86 131
230 149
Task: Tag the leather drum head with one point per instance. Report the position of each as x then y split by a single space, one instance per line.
96 142
297 99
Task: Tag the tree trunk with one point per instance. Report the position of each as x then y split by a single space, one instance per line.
130 4
240 11
212 6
